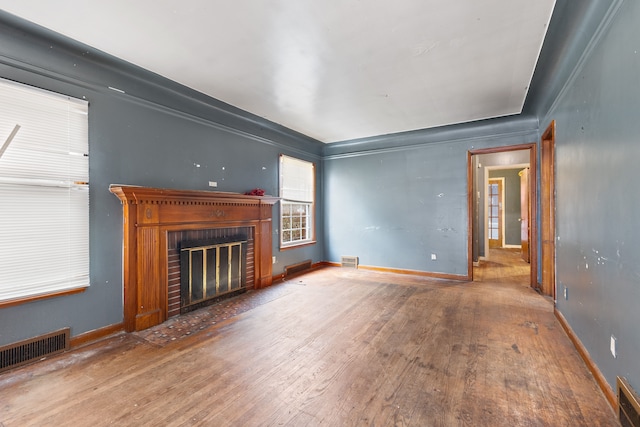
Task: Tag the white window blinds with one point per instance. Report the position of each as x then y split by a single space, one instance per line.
296 179
44 195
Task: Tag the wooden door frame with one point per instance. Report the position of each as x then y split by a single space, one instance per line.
533 191
547 211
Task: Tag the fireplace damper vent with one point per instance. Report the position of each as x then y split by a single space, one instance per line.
628 404
33 349
209 270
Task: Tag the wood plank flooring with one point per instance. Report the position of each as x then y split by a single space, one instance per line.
340 348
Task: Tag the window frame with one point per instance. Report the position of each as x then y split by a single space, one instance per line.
45 171
307 221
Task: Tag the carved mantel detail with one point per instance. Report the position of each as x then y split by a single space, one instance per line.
150 213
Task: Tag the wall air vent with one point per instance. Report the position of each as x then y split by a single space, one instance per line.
628 404
297 268
349 261
34 349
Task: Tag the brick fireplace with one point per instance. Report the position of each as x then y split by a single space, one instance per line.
154 220
215 283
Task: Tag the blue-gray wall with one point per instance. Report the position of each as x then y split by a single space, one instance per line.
598 199
157 134
397 203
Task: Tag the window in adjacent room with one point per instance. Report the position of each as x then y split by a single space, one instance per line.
44 193
297 189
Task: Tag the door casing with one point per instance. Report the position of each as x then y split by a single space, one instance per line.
548 212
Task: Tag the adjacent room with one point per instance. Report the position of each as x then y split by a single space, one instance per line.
336 213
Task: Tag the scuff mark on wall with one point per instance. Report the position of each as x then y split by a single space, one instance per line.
446 229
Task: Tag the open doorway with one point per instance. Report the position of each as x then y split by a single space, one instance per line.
506 205
502 213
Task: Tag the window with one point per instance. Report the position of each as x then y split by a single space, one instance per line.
297 188
44 193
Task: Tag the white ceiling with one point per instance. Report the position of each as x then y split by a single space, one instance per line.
333 69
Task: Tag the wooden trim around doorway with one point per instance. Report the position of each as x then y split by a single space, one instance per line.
548 212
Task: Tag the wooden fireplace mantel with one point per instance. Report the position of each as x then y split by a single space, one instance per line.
150 213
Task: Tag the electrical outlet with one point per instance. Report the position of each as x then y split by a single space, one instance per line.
273 260
433 257
614 352
566 293
213 184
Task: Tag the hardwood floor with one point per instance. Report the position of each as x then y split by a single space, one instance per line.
503 266
340 348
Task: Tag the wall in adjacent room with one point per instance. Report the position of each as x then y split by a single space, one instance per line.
156 134
512 205
597 199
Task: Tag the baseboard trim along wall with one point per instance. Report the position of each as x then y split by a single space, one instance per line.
591 365
403 271
96 334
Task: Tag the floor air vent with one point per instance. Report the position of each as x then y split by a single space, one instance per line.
628 404
33 349
349 261
297 268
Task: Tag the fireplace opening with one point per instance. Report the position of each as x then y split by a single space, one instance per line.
210 270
